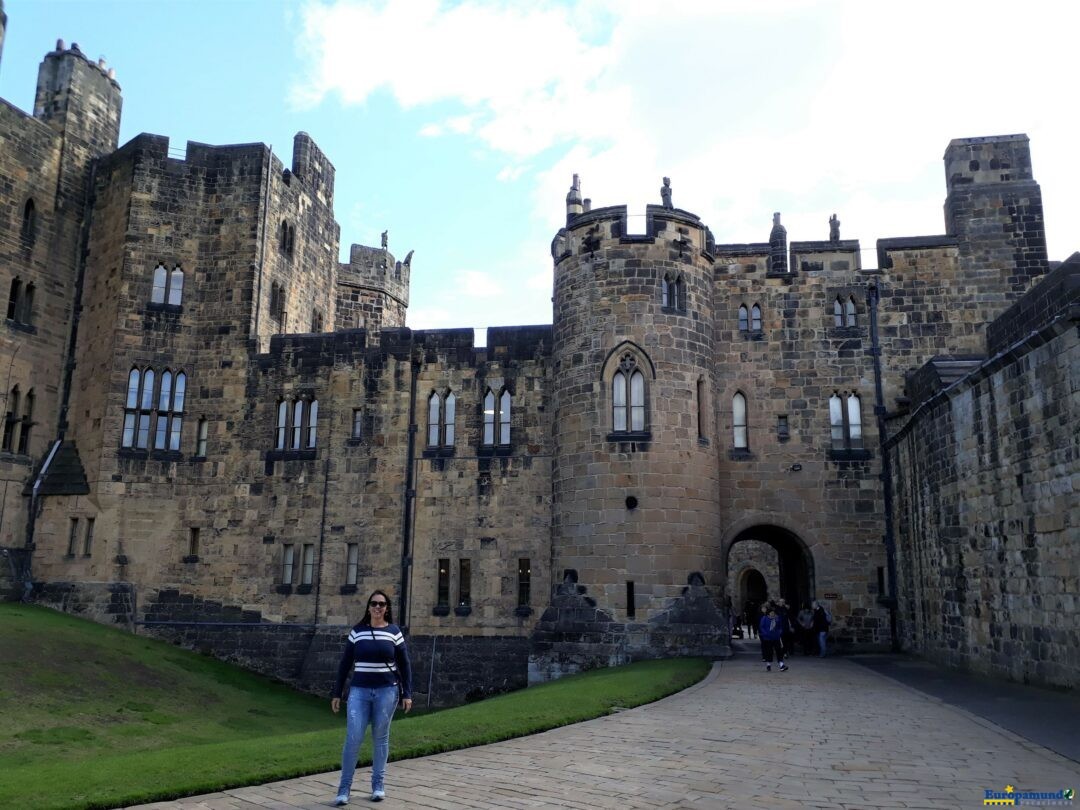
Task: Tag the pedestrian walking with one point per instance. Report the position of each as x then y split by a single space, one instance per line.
805 621
374 676
822 620
787 627
771 628
752 617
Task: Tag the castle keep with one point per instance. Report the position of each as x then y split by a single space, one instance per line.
219 434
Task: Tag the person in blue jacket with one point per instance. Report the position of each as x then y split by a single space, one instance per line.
373 668
771 627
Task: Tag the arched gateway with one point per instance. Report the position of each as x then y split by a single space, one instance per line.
794 561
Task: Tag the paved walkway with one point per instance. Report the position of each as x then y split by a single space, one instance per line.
827 734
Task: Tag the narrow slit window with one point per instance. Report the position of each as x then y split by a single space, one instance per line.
504 418
631 610
200 443
450 417
282 424
307 573
297 424
464 583
442 596
88 537
313 423
489 418
73 536
288 562
357 422
352 563
524 582
738 419
193 541
434 414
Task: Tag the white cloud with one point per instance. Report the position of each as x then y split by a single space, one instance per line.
802 107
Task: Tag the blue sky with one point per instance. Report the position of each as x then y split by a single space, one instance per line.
457 125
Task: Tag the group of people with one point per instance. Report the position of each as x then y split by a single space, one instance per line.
777 630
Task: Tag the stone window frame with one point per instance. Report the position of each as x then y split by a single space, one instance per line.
277 303
702 403
16 434
307 566
201 437
845 312
740 429
442 587
846 426
20 311
622 364
352 565
167 288
317 320
464 585
296 421
496 414
73 537
142 411
750 321
29 227
442 422
288 567
524 589
169 421
673 292
88 537
287 238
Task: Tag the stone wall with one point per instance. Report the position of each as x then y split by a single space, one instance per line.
985 494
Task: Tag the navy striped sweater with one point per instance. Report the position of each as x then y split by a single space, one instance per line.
376 656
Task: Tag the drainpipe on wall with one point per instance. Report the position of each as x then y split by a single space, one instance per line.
410 495
873 297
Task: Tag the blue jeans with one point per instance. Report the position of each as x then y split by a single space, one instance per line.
821 643
374 706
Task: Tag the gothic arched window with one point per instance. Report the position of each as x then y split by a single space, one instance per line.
744 318
838 313
755 318
849 312
442 413
845 418
628 397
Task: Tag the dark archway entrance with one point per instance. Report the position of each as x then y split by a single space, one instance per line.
796 565
752 588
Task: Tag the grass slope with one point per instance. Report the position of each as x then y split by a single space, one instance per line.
93 717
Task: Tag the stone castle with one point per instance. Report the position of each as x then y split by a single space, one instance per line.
219 434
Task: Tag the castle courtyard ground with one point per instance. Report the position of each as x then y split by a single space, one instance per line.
860 733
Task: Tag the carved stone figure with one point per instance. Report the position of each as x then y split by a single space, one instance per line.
834 229
665 193
385 239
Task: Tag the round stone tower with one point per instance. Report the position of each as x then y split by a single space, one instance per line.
635 535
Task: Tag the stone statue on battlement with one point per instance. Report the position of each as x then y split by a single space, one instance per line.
834 229
385 239
665 193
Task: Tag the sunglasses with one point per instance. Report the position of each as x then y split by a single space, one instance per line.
373 603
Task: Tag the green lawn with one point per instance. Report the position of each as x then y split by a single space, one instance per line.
92 717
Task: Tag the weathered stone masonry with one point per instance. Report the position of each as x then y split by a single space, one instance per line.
528 516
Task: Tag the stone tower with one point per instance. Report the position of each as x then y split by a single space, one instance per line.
994 208
635 505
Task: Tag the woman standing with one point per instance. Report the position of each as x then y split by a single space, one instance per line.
376 658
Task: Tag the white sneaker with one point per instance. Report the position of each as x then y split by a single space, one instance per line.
378 795
783 667
768 667
341 800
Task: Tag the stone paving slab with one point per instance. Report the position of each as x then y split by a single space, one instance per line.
826 734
